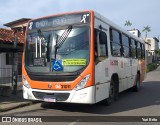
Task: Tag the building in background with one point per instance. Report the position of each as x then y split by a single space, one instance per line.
151 46
11 46
18 26
135 32
148 53
154 42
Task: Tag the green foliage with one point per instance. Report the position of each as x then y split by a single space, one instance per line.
127 23
152 67
146 29
159 52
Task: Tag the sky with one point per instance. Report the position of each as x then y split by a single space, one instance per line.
139 12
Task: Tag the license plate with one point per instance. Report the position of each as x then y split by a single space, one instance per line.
49 99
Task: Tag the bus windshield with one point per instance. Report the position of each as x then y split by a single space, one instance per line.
63 50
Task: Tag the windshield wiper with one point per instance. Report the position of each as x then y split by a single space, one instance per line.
62 38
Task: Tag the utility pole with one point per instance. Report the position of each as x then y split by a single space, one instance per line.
14 66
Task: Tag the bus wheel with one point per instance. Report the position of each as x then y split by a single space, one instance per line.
137 86
111 97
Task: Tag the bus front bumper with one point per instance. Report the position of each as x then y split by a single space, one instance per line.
84 96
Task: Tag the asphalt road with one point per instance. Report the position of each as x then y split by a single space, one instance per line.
145 103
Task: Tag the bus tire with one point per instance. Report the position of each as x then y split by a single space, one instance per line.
113 93
116 95
137 86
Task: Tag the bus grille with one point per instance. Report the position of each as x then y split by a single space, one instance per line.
57 96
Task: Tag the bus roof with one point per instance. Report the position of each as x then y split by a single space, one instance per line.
99 16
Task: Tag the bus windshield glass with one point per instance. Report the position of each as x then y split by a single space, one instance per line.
57 50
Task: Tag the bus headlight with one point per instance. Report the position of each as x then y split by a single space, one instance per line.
25 83
82 83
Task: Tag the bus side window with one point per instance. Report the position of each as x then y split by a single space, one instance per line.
100 45
95 44
143 51
139 50
116 48
103 51
125 45
136 49
133 49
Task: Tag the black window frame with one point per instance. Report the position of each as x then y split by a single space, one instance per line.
96 35
143 51
125 46
136 49
133 48
139 50
116 43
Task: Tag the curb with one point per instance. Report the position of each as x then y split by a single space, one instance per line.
13 102
19 105
15 106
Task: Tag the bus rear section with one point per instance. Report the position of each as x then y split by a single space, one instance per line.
58 64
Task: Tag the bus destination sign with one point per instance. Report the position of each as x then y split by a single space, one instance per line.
82 18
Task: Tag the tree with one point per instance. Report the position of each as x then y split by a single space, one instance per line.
128 23
146 29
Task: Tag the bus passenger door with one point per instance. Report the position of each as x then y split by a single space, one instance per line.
101 63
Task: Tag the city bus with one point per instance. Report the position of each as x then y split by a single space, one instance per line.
80 57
